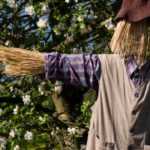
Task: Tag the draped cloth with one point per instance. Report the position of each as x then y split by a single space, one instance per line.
120 118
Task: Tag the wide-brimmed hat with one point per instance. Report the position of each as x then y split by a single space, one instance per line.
134 10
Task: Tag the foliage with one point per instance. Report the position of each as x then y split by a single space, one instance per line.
27 117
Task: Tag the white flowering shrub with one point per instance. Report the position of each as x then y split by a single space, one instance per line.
28 119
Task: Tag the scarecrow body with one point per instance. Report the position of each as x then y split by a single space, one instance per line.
120 117
121 114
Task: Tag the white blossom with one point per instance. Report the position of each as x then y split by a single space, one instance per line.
56 30
7 43
67 1
28 136
82 26
12 133
52 133
42 23
30 10
108 24
42 119
11 3
11 89
57 128
40 89
71 130
44 7
26 99
80 18
15 110
1 112
95 17
76 1
17 147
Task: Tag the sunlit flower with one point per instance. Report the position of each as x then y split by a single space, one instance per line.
12 133
108 24
80 18
42 119
44 7
42 23
26 99
67 1
28 136
57 128
71 130
15 110
11 88
82 26
7 43
17 147
52 133
30 10
40 89
56 30
11 3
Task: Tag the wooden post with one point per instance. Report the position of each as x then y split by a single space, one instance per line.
60 103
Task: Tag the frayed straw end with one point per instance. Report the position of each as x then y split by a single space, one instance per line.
21 62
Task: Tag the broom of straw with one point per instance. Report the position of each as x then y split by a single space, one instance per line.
20 62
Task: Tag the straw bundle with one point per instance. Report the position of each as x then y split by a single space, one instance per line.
132 39
21 62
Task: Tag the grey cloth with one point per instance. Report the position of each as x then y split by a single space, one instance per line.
120 118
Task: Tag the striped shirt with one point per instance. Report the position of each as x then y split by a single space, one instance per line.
82 69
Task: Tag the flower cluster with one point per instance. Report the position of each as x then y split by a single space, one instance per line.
28 136
42 22
72 131
15 110
17 147
29 10
26 99
12 133
109 24
11 3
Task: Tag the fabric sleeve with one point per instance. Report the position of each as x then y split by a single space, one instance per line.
76 69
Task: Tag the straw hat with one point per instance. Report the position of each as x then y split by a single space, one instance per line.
134 10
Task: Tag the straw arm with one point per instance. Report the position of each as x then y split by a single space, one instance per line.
19 61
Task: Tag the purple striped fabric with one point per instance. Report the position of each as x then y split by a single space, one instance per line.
84 69
138 74
76 69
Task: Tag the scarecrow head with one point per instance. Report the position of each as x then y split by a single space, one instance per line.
132 33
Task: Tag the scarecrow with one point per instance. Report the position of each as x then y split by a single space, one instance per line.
121 115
